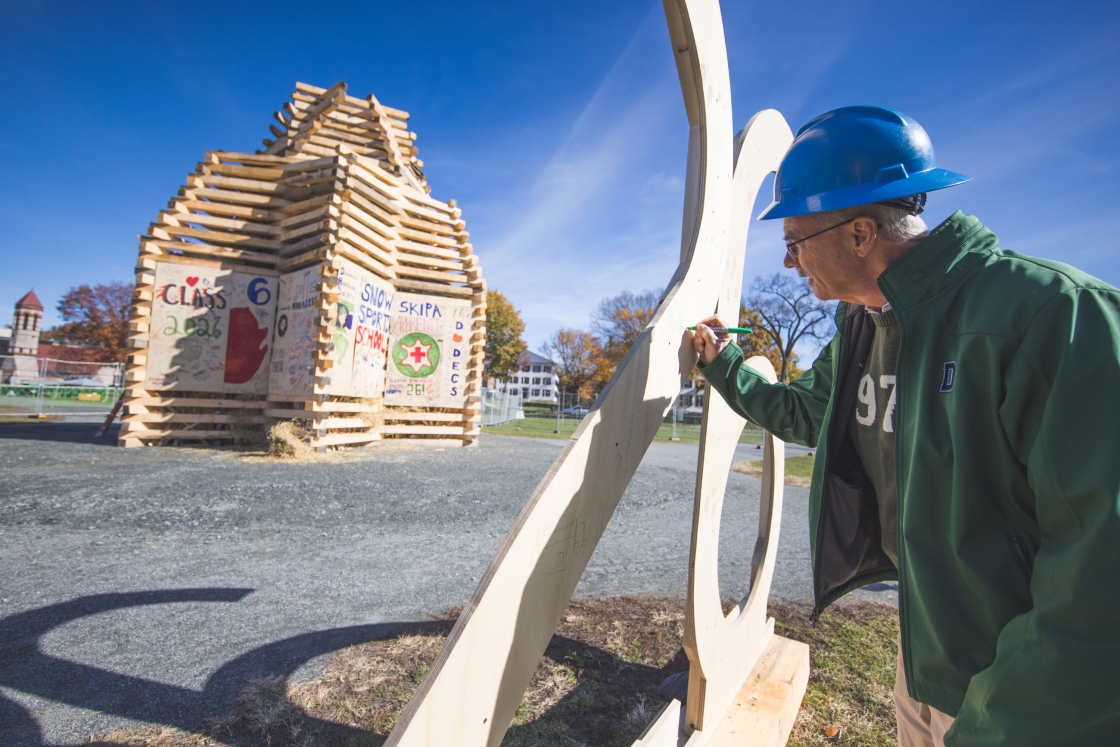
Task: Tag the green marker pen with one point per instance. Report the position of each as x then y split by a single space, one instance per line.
733 330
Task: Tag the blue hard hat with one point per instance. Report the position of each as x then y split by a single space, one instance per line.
854 156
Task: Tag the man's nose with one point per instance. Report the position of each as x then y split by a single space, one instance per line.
789 262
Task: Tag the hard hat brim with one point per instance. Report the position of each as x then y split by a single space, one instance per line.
863 194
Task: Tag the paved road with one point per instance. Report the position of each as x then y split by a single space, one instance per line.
147 585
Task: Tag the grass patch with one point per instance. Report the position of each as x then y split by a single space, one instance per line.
596 683
799 470
546 428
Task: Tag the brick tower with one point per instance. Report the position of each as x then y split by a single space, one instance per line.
23 365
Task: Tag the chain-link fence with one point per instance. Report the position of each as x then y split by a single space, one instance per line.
560 420
50 386
500 407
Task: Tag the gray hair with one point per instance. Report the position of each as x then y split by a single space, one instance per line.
896 225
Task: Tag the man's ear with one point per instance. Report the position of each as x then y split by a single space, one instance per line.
864 233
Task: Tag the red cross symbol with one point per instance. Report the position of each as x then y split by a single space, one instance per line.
418 353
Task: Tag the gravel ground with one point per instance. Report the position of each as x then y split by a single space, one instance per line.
146 586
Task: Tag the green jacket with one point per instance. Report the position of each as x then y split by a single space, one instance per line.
1007 426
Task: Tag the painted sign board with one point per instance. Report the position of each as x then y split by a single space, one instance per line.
210 330
371 336
359 333
429 346
342 329
293 364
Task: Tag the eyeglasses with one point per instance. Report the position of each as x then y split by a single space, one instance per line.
791 246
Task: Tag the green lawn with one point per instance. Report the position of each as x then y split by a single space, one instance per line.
546 428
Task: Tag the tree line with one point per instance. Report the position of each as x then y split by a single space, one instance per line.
781 310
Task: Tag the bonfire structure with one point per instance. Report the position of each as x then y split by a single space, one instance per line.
314 284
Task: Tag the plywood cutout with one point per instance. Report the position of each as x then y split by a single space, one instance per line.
474 686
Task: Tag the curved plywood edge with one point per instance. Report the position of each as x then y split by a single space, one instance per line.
665 730
722 650
476 683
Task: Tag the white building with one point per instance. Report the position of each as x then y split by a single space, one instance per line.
535 379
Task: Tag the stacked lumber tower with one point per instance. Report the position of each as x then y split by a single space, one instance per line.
399 281
376 303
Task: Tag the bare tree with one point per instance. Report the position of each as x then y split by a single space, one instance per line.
789 313
619 321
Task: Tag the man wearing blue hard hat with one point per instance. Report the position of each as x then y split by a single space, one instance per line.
966 418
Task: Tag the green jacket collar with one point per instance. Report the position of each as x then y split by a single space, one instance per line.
938 261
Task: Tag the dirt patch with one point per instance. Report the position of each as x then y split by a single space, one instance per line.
596 684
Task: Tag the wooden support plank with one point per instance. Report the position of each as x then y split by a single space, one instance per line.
208 417
364 259
436 275
201 192
345 439
179 401
663 731
449 417
184 216
163 247
764 711
258 173
221 208
183 435
412 247
425 430
460 291
249 185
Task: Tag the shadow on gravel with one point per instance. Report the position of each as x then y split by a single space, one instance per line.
72 433
25 668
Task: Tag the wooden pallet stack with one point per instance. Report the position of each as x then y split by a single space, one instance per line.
319 247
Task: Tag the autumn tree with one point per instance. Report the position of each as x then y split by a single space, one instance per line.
578 356
787 313
618 321
96 319
759 342
504 328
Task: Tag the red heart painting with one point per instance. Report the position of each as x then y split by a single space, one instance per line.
244 353
191 281
457 337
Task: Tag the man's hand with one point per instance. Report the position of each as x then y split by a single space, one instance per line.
705 342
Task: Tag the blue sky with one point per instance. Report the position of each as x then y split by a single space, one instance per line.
558 127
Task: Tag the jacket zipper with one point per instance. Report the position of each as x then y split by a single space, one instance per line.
903 597
1024 556
838 369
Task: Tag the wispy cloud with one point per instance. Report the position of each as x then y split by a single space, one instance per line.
604 213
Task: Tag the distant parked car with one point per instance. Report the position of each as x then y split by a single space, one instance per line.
577 410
